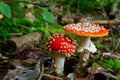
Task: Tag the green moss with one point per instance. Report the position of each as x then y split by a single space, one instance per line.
110 64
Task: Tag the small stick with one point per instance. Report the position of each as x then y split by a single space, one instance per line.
51 77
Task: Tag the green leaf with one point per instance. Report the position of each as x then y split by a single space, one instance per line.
118 77
99 45
5 9
47 15
94 65
52 7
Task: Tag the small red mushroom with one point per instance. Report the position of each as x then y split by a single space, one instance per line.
86 31
60 46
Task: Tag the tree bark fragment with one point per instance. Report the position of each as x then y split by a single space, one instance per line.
28 39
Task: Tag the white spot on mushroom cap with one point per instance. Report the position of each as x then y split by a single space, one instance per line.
59 50
48 46
50 42
53 39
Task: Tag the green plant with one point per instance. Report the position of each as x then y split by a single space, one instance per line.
1 76
118 77
107 4
94 65
99 45
83 6
18 23
47 16
110 64
5 10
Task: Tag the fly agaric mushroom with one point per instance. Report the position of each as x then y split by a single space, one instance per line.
60 46
86 30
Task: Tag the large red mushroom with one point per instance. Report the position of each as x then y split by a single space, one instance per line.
86 31
60 46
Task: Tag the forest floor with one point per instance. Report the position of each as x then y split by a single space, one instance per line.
25 57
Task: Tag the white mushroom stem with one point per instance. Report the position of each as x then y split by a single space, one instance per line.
59 64
86 44
59 61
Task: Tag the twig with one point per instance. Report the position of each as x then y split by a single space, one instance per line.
105 22
111 55
33 3
118 44
4 61
51 77
42 72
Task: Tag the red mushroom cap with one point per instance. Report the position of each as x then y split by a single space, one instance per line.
86 29
61 43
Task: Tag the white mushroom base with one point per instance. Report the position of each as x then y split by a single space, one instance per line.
59 65
86 44
59 60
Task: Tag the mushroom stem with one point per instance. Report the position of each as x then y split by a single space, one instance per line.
86 44
59 64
